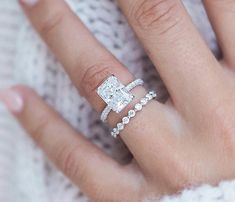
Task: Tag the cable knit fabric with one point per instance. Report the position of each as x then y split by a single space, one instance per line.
25 173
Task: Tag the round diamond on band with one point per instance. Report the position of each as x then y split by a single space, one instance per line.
132 113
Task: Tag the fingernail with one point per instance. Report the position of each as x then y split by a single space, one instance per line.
12 100
29 2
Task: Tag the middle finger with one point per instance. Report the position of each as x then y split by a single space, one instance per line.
183 60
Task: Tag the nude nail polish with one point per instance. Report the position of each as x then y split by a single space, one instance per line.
12 100
29 2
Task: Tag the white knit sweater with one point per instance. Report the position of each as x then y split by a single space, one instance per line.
25 173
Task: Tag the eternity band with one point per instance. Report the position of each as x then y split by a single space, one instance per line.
129 87
132 113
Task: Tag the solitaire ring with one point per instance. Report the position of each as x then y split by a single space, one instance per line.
116 95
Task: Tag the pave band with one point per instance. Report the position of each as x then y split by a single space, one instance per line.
132 113
129 87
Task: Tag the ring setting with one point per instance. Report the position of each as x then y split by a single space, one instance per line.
114 94
117 96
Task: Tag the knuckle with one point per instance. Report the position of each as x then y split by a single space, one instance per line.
39 130
161 15
93 77
98 192
51 23
68 162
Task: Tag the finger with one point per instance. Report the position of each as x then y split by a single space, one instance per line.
89 64
97 174
222 14
86 61
183 60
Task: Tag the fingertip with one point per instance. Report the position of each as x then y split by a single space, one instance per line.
28 3
12 99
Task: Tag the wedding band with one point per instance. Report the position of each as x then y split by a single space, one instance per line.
132 113
116 95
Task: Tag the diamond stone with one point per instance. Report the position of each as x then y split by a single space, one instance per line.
116 131
153 94
125 120
138 106
149 97
114 94
131 113
144 101
120 126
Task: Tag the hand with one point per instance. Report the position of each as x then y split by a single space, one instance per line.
186 142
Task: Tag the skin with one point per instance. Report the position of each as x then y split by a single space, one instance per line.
186 142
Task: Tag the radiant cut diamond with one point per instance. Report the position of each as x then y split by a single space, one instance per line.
114 94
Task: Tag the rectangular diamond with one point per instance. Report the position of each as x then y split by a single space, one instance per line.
114 94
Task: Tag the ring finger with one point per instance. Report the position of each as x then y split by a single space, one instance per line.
88 63
84 59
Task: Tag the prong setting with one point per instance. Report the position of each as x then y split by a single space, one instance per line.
114 94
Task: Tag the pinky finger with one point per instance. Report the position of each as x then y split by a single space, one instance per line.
98 176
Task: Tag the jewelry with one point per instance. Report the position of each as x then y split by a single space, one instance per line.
129 87
116 95
132 113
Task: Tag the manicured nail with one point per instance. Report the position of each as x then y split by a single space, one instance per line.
12 100
29 2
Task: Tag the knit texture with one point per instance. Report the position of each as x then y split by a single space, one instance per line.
25 173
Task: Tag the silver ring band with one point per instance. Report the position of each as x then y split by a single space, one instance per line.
129 87
132 113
